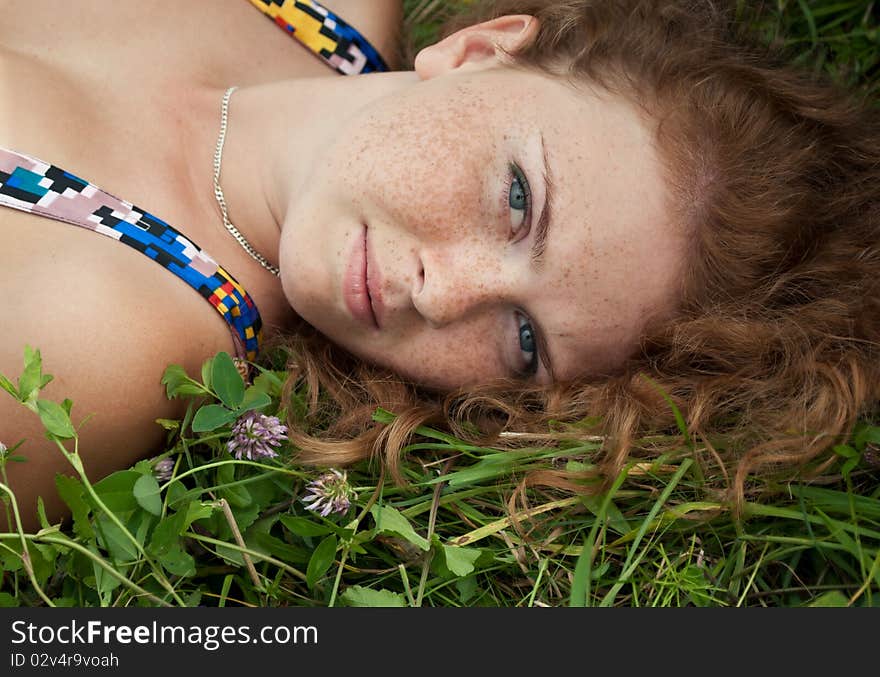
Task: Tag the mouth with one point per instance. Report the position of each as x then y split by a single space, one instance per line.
359 298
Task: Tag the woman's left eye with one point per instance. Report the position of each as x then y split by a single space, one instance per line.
528 345
520 201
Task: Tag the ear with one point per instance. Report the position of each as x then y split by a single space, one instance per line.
479 46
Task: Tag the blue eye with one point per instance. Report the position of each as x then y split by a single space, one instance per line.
528 345
519 199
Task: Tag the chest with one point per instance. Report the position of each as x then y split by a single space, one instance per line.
101 94
140 42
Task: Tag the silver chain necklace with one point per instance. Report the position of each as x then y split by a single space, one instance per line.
218 191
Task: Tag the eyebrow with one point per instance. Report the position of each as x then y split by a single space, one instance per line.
537 254
544 219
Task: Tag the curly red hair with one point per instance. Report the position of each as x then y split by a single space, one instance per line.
774 353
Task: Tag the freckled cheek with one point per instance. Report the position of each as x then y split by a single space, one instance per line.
428 176
445 361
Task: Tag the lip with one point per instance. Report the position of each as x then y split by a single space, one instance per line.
356 284
374 284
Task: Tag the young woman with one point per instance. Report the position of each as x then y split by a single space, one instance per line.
560 199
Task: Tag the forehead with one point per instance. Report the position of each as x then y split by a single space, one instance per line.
613 255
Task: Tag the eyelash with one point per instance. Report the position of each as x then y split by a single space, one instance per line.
516 175
523 321
522 231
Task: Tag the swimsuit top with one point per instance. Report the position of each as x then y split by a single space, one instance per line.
34 186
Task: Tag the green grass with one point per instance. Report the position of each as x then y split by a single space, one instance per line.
223 532
841 38
228 533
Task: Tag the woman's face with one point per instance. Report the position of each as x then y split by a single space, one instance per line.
485 223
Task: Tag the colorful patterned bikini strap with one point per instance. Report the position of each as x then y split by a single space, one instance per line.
324 33
31 185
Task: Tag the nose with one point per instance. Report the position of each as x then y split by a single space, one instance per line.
456 285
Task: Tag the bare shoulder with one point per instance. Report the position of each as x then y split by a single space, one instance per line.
105 336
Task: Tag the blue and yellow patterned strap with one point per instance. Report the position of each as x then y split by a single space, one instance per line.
324 33
34 186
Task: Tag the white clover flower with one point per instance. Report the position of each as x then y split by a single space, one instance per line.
256 435
163 468
331 492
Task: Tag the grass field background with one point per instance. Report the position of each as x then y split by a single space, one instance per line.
217 531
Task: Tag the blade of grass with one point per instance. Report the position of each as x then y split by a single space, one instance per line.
631 561
580 587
